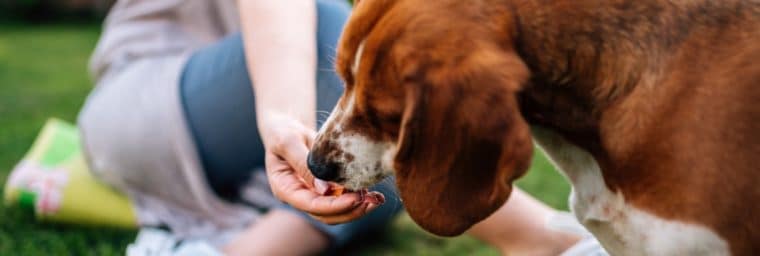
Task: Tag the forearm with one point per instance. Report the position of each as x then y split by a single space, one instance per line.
279 40
519 228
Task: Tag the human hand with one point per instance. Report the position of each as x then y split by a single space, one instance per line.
287 142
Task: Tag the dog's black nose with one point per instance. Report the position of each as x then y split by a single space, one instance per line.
321 169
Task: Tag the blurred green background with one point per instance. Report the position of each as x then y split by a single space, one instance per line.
43 74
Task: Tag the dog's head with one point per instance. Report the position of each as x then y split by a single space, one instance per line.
433 101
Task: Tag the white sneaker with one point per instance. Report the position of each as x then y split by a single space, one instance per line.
156 242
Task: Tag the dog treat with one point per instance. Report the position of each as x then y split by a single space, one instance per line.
335 190
366 195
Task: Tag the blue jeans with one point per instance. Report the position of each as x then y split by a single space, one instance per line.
219 103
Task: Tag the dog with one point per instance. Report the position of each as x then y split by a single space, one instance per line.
651 109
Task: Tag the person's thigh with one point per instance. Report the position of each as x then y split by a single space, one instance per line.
219 102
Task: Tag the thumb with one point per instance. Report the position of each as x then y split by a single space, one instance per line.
295 152
310 136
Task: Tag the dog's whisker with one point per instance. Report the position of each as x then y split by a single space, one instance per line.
323 114
322 117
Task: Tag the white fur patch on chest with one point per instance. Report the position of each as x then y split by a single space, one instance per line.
621 228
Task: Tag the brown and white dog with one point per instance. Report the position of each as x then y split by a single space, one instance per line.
651 108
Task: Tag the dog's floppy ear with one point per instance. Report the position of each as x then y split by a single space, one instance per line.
363 19
463 140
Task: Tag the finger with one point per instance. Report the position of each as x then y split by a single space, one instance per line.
371 207
290 189
331 205
354 214
375 198
371 200
282 179
294 151
309 201
309 137
275 164
319 185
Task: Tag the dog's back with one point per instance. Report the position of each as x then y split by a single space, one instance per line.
715 115
667 93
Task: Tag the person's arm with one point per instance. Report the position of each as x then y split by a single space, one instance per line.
279 39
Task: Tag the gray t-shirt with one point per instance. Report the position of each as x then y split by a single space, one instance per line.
147 28
133 127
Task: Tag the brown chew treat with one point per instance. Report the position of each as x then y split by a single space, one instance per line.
334 190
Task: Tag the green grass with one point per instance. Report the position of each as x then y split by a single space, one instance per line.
43 74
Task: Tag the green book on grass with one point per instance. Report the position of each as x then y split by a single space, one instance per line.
53 181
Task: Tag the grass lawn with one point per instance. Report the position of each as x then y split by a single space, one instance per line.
43 74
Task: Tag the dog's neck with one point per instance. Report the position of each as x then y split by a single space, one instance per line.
578 68
581 68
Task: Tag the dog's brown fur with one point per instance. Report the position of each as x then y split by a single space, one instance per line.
664 94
